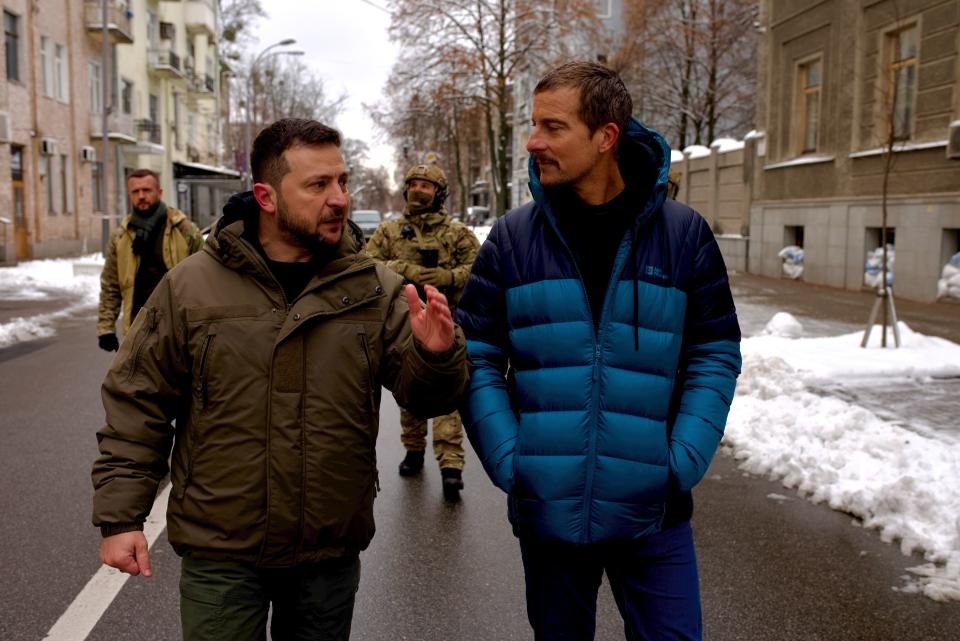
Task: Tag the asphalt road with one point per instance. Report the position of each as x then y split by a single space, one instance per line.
771 568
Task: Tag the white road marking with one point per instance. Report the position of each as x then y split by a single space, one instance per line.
83 614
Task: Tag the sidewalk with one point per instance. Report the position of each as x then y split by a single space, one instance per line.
920 406
824 310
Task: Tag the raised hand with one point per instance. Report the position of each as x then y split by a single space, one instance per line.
432 324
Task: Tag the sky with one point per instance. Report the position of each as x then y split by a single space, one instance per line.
346 43
895 476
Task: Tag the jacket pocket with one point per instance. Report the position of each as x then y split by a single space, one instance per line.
141 339
199 406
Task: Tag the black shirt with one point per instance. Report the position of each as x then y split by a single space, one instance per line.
293 277
593 233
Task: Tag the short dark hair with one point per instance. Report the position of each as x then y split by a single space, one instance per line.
603 96
266 157
143 173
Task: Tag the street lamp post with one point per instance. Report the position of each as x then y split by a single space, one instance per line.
248 174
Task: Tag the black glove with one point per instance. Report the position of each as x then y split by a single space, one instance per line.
108 342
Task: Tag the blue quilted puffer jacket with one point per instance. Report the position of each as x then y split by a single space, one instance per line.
591 429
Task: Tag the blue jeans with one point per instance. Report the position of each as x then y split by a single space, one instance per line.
654 582
229 601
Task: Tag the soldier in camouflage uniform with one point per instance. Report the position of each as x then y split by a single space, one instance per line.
427 247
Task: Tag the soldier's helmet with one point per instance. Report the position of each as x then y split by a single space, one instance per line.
430 173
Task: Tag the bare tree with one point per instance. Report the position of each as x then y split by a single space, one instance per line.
479 46
692 63
237 17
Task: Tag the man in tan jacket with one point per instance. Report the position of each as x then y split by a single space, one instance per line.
269 348
148 243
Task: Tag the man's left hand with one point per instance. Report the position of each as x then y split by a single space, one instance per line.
432 324
436 276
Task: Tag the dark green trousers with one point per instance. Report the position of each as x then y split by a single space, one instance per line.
229 601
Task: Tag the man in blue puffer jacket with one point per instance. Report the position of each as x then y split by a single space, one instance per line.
606 350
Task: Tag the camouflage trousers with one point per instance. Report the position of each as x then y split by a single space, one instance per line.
447 437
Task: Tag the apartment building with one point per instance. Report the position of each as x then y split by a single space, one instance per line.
836 78
160 70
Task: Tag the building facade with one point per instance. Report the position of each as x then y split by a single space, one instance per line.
156 85
841 83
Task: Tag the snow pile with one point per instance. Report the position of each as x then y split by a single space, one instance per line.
949 283
895 480
481 232
792 256
44 280
784 325
874 267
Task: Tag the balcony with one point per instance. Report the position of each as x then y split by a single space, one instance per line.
200 87
198 17
120 128
119 23
149 131
165 62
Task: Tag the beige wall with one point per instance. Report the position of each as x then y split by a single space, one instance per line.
834 193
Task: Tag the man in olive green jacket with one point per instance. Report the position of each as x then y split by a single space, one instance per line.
269 348
148 243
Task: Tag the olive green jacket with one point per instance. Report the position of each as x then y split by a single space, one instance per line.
456 245
180 239
276 404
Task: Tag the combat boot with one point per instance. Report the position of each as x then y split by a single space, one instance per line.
412 463
452 483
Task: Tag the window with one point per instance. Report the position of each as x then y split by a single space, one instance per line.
902 79
810 83
11 29
46 176
46 67
16 162
61 74
65 197
603 8
153 30
96 188
191 129
126 96
95 74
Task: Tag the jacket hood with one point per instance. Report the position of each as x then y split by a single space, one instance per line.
226 239
641 150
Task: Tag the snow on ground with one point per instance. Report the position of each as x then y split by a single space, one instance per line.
481 232
901 482
47 280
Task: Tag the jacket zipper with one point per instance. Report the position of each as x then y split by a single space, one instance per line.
151 326
202 381
371 382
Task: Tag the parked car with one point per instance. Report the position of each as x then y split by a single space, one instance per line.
478 216
368 219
